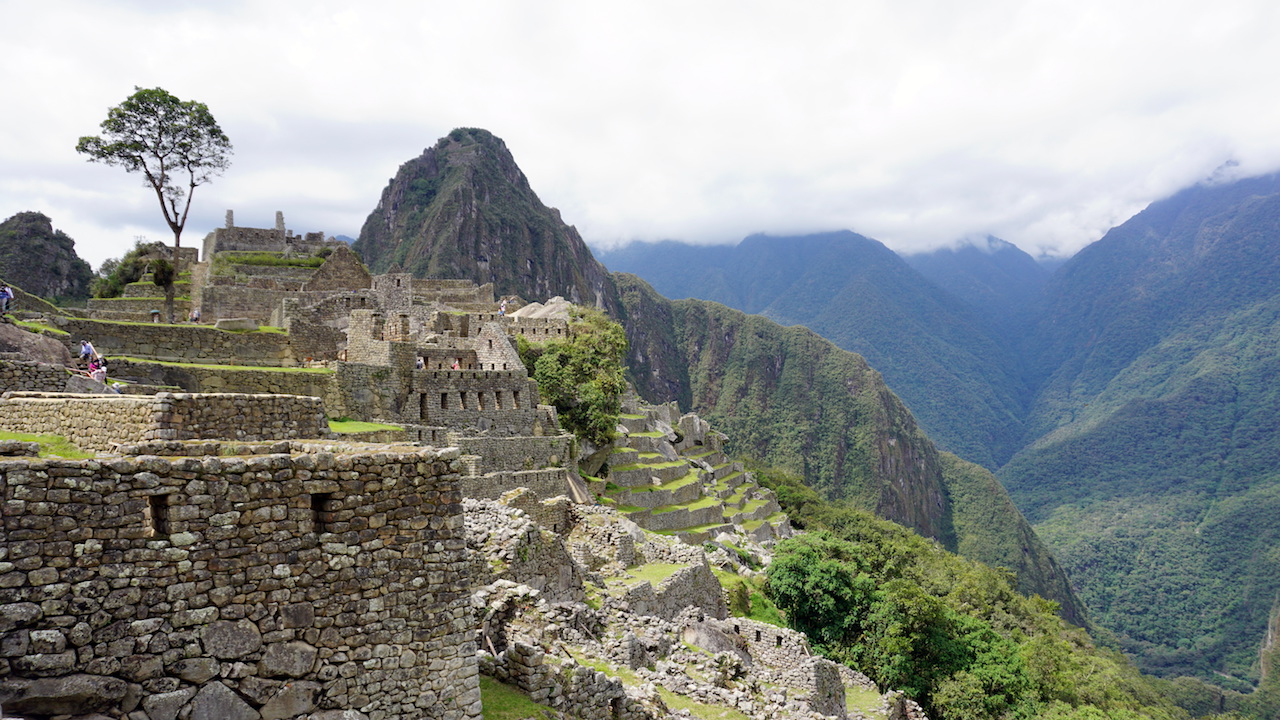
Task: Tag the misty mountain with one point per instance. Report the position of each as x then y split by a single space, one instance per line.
1153 438
933 348
1002 284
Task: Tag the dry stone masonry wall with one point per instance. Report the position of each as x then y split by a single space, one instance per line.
100 422
236 587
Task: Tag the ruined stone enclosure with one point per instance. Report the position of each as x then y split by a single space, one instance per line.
236 586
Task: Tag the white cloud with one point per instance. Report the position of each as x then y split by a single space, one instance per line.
916 122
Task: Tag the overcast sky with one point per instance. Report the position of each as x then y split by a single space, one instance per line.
917 123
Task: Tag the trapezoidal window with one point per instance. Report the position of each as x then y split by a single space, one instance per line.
321 512
515 399
444 401
158 515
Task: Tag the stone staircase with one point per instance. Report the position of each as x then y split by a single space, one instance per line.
669 474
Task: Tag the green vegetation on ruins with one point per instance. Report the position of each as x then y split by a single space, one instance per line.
582 375
50 445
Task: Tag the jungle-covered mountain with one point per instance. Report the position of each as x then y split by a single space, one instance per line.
784 395
1001 283
42 259
1153 442
1149 435
935 350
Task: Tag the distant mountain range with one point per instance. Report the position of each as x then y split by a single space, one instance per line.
1128 399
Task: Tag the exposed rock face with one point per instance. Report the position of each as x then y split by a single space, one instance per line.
40 259
465 210
31 346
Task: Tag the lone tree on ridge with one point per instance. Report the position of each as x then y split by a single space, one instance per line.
157 134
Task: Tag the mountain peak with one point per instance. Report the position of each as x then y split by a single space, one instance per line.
464 210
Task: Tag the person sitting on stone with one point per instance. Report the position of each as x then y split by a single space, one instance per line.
87 353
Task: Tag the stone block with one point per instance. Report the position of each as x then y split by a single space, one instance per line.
230 640
289 659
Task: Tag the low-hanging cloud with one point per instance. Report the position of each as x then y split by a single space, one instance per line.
917 123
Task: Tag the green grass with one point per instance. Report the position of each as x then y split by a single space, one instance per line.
260 368
655 573
697 709
866 702
629 416
50 445
36 327
704 502
500 701
357 426
648 433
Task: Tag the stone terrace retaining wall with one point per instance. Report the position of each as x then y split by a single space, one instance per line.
100 422
214 379
236 587
192 343
516 453
32 376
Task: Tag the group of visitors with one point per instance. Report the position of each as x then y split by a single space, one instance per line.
6 298
96 364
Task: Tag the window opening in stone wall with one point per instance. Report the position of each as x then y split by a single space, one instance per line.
158 515
497 399
615 707
462 399
444 401
515 398
480 401
779 641
757 636
321 512
422 407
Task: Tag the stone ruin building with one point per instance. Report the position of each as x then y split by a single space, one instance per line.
225 556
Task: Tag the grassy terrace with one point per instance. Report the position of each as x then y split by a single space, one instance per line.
259 368
357 426
704 502
649 434
650 466
50 445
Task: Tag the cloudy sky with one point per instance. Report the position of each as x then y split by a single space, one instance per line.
916 122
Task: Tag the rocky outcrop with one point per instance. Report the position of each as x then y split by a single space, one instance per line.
41 259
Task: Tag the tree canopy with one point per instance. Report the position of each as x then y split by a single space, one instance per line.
175 144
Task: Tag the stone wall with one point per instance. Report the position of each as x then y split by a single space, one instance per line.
497 401
32 376
504 453
267 586
99 422
214 379
546 483
192 343
92 422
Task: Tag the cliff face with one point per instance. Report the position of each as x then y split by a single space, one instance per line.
463 209
792 399
41 259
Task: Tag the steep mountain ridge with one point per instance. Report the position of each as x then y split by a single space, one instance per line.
1150 462
787 397
940 357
